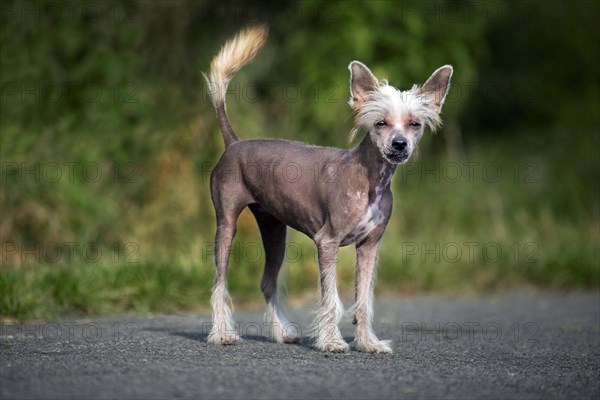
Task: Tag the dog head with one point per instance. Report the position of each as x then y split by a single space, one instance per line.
396 119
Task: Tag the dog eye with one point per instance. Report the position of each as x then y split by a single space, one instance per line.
414 123
380 123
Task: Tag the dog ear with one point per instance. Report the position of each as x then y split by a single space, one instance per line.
362 82
434 91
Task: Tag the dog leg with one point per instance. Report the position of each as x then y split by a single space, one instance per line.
366 256
223 331
328 336
273 233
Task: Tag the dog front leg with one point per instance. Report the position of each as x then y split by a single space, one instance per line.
328 336
366 258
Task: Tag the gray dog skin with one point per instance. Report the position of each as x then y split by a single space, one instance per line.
336 197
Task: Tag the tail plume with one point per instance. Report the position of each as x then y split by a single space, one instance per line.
233 55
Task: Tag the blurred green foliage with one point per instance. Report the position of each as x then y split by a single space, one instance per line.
108 138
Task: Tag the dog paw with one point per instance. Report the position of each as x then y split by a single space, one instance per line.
289 339
223 338
379 346
285 335
334 347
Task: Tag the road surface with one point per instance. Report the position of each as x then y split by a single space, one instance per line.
514 345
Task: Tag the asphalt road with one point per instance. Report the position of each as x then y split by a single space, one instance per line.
516 345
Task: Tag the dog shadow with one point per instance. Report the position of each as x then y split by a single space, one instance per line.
303 342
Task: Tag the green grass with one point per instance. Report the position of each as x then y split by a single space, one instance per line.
52 291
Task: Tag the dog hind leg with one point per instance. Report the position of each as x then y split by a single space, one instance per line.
223 330
273 233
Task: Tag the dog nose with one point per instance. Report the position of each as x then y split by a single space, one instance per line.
399 144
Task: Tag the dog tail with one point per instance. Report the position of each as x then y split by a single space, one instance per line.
233 55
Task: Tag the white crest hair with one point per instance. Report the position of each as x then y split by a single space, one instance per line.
389 101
